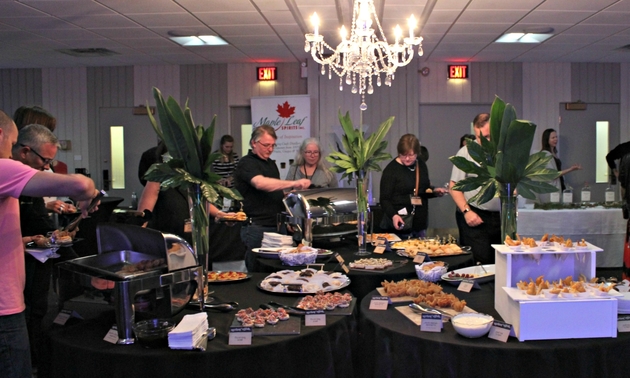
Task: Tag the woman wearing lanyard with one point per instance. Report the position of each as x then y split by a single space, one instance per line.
310 165
406 188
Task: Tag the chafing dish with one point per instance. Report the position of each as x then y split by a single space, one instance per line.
146 272
322 213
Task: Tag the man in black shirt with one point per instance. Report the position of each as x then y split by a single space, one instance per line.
258 180
622 174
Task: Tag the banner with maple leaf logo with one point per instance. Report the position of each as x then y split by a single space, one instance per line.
290 116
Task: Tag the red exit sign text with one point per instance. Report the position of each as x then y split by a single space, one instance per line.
458 72
267 73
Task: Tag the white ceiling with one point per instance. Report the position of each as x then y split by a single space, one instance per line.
263 31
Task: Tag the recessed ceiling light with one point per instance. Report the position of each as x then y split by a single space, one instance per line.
523 37
189 38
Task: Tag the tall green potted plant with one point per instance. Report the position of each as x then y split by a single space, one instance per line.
190 147
355 159
503 164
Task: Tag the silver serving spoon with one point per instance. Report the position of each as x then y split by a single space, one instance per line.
223 307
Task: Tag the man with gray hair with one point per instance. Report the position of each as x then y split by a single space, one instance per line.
257 178
19 179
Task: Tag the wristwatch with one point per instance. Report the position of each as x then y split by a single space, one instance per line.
466 209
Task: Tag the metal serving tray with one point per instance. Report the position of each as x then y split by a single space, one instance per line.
110 264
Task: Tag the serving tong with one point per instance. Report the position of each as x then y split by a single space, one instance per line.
426 309
72 225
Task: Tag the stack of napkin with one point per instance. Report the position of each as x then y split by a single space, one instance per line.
274 240
189 331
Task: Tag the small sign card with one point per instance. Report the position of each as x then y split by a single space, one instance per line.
112 335
240 336
315 318
380 241
623 323
431 323
380 249
500 331
339 258
466 286
379 303
419 259
63 316
345 268
554 197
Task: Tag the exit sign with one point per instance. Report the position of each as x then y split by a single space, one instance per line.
457 71
267 73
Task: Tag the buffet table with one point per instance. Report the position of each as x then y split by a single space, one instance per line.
78 350
400 349
604 228
363 281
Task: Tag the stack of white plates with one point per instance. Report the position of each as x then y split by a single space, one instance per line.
274 240
623 304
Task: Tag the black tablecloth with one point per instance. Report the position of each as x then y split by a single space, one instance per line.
78 350
362 282
400 349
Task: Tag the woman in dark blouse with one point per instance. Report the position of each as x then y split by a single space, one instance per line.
550 145
398 184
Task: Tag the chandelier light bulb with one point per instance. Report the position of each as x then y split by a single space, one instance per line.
307 46
411 23
397 33
315 22
343 32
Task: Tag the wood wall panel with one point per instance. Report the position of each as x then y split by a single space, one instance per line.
64 96
205 88
20 87
502 79
165 77
436 88
545 86
244 85
106 87
596 82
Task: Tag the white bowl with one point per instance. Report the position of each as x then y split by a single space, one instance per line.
432 275
298 258
472 325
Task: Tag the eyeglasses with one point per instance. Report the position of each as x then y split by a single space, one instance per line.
267 145
311 152
46 161
412 156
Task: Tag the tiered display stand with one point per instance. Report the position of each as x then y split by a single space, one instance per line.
539 318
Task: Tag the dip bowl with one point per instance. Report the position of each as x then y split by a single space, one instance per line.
153 333
472 324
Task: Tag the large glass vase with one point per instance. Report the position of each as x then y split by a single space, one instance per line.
363 209
508 211
199 208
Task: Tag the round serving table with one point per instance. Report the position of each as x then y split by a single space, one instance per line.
399 349
78 350
363 282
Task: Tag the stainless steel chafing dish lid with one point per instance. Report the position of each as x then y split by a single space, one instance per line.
321 203
112 237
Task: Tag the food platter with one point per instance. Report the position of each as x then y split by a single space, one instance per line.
215 277
410 249
386 236
477 272
272 253
305 281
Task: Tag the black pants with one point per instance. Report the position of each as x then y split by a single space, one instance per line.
481 238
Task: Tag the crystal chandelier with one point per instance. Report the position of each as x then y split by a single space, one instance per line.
363 55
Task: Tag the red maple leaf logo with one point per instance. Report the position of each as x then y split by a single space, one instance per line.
285 110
